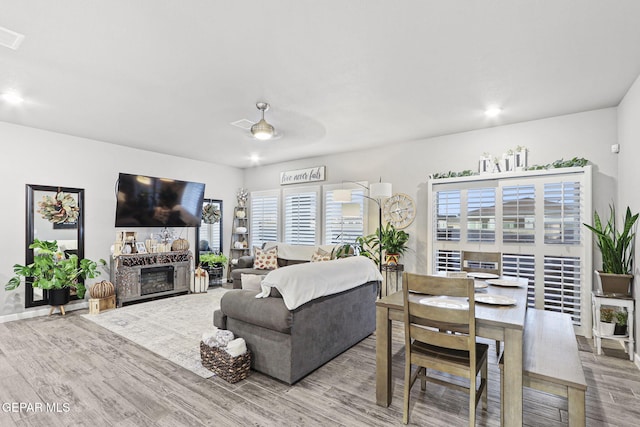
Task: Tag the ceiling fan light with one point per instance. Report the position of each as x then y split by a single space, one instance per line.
262 130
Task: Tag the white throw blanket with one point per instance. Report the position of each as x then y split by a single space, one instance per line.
302 283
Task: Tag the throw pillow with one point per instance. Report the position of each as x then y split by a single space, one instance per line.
251 282
265 259
320 255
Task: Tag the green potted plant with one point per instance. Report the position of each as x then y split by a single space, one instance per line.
51 271
214 263
606 321
621 322
617 251
394 243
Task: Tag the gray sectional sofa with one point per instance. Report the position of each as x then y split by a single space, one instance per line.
289 344
287 255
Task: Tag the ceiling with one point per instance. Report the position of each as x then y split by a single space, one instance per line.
170 76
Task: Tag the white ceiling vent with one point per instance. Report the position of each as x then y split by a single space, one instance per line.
243 124
10 39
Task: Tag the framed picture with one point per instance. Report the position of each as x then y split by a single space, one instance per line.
141 248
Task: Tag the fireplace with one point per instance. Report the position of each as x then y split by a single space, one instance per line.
156 279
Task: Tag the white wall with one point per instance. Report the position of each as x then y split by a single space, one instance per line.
32 156
629 172
407 165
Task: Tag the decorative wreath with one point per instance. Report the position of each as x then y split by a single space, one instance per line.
211 214
62 208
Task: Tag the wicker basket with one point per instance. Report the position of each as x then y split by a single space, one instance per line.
231 369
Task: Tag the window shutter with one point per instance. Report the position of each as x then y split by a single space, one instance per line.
522 265
481 215
448 215
518 214
562 213
300 212
447 260
562 286
339 229
264 218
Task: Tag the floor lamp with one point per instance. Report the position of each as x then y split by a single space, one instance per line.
378 191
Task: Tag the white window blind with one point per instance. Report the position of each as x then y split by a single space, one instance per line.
562 213
518 214
264 217
481 215
522 265
300 217
562 285
340 229
448 215
447 260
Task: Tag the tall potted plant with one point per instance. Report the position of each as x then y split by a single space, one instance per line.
51 271
617 248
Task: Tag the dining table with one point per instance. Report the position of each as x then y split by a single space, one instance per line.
503 323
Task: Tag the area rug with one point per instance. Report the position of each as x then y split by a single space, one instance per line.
170 327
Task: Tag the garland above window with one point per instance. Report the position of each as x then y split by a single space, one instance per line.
575 162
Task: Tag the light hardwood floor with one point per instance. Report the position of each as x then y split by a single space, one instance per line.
97 378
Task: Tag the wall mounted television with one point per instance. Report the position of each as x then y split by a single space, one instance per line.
146 201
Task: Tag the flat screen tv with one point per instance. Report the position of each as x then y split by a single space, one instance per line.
146 201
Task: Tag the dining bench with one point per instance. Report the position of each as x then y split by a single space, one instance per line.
551 361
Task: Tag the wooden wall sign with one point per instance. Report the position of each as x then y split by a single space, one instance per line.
302 175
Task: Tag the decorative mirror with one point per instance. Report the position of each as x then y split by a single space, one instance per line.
209 234
53 213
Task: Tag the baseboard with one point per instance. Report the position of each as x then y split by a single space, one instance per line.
44 311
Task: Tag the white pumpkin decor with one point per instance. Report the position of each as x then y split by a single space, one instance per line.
200 280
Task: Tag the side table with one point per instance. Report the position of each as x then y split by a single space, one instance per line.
598 299
392 278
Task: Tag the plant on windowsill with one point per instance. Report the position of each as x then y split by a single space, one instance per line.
617 249
51 271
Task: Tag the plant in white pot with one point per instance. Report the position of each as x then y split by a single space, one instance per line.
617 249
606 321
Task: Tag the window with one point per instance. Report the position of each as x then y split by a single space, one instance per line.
562 213
264 217
448 215
301 216
338 228
481 215
518 214
534 218
562 285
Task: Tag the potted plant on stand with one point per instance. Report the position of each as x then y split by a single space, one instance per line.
606 321
53 272
621 322
215 265
394 243
617 251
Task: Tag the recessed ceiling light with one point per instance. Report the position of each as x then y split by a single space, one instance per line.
254 158
12 98
493 111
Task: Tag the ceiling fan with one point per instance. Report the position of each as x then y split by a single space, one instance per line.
261 130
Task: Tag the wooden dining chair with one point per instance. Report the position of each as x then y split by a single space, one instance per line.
482 262
451 349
